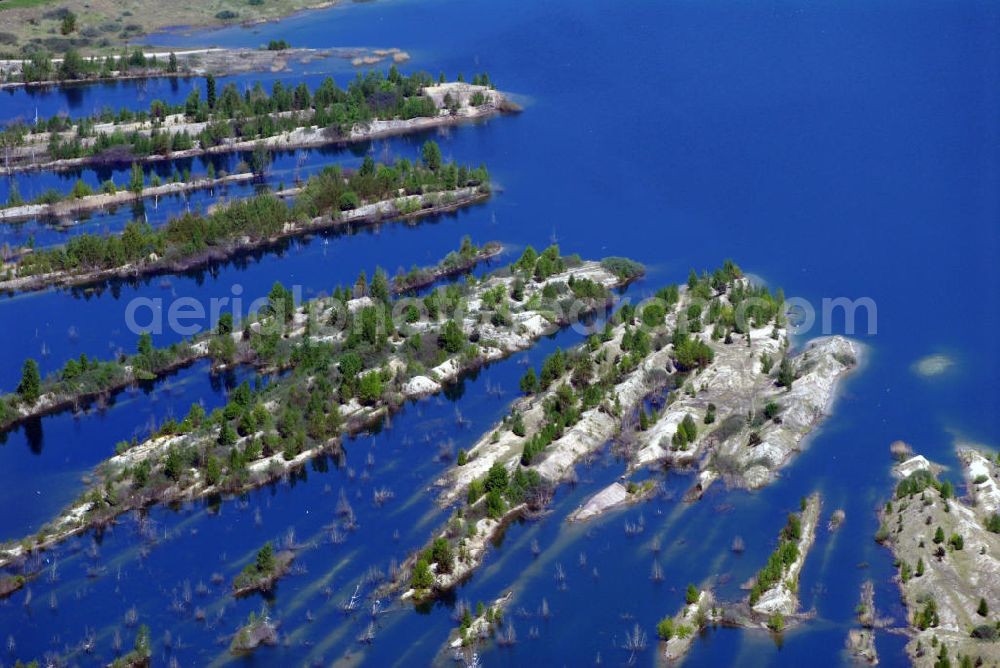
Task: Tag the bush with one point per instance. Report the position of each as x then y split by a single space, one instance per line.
624 268
422 577
665 628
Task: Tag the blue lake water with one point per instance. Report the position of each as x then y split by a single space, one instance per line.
838 149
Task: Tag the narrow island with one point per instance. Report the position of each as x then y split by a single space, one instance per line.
85 380
258 630
861 640
332 198
353 365
40 69
477 626
677 633
372 106
82 198
946 552
267 568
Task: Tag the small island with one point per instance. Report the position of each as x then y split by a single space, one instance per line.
677 633
946 552
82 198
258 630
265 570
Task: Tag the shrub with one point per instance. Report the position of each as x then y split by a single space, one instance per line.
665 628
422 577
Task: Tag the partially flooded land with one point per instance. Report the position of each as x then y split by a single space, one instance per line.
371 194
86 379
42 70
223 121
946 551
82 199
347 376
582 398
739 409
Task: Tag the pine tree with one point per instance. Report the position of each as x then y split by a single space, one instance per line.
431 155
265 558
529 382
30 386
145 344
210 91
983 609
136 179
786 375
939 535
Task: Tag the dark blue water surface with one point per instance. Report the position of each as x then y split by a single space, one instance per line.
838 149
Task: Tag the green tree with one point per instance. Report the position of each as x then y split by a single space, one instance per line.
786 375
73 65
451 337
691 595
441 554
210 91
430 153
260 159
227 434
173 464
665 628
30 387
136 179
225 324
422 577
142 646
379 288
213 470
348 200
145 344
68 24
939 535
529 382
172 62
370 388
496 478
265 558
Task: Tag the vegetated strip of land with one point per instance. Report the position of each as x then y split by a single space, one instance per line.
947 553
373 193
86 379
82 198
773 602
374 105
40 69
577 402
341 379
581 399
102 26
